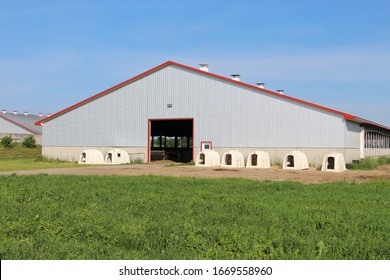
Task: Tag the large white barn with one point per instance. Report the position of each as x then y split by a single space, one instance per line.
173 111
19 126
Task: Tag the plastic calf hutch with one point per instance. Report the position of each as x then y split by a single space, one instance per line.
207 158
117 156
333 162
258 159
232 158
295 160
91 156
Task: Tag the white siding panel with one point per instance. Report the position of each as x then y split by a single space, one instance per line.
353 135
230 115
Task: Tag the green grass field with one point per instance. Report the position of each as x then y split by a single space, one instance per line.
113 217
21 158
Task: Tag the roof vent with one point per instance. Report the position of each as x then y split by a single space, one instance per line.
204 67
4 111
40 114
48 115
281 91
25 113
260 85
15 112
235 77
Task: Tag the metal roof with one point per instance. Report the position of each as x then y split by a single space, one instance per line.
346 116
26 122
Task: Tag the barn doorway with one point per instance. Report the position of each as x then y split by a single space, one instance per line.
171 139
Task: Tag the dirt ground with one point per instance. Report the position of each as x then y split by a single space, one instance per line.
166 168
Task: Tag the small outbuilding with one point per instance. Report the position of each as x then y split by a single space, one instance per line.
258 159
116 156
232 158
207 158
91 156
333 162
295 160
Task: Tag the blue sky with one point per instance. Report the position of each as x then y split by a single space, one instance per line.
333 53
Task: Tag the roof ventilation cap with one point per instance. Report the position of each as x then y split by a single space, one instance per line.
204 67
4 111
235 77
25 113
260 85
281 91
40 114
48 115
15 112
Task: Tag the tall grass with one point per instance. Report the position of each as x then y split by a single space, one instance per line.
369 163
88 217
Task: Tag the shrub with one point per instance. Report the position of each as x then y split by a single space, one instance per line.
7 142
29 142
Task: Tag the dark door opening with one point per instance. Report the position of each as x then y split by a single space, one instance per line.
171 140
228 159
330 163
290 161
254 160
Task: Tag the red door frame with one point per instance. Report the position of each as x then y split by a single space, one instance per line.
170 119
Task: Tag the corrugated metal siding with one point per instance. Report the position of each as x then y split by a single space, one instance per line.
8 127
353 135
230 115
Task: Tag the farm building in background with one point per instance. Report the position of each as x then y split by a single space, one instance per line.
174 111
19 126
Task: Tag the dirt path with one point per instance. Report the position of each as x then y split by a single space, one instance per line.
166 169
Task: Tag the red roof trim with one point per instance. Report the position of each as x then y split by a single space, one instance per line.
18 124
345 115
103 93
168 63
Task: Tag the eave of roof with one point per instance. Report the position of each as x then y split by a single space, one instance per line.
346 116
367 122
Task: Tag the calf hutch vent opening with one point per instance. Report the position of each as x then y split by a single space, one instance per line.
295 160
207 158
333 162
91 156
117 156
258 159
232 158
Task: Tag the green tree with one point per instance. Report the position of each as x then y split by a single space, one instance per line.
29 142
7 142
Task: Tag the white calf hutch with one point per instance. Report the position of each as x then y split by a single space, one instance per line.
207 158
258 159
91 156
232 158
295 160
333 162
116 156
174 111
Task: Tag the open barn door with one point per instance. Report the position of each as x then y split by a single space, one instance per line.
171 139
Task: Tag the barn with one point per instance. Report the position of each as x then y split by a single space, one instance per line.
19 126
174 111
